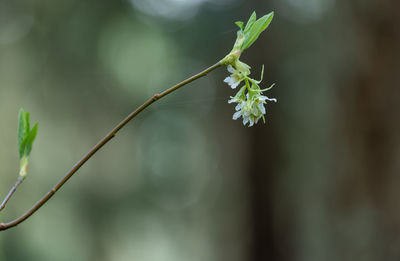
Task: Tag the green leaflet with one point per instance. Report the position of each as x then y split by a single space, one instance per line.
246 36
254 28
240 24
29 139
26 136
23 127
250 22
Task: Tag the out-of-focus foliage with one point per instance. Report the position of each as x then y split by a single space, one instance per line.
318 181
26 137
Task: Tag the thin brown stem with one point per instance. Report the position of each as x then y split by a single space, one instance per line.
101 143
11 192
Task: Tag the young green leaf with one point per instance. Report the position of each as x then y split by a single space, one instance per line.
256 29
250 22
240 24
26 136
22 147
30 138
22 130
27 127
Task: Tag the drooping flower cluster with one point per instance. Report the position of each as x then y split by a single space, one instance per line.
250 101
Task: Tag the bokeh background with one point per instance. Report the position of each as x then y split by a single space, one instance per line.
183 181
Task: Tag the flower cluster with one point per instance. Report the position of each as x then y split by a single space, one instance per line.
250 101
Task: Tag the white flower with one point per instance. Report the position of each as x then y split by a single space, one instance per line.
234 79
238 72
250 107
250 101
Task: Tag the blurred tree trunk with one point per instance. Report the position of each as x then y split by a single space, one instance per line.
370 121
362 193
264 244
370 112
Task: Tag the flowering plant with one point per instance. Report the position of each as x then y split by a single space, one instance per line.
250 106
249 98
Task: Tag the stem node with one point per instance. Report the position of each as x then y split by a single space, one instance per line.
156 96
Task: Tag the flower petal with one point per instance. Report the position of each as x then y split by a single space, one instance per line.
235 84
239 106
237 115
233 100
245 120
231 69
229 80
271 99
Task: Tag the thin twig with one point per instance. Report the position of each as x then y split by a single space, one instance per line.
101 143
11 192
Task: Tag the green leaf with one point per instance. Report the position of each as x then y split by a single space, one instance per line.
26 136
256 29
30 138
22 148
23 129
27 127
240 24
250 22
21 126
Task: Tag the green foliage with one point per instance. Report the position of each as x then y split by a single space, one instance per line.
253 28
246 36
26 136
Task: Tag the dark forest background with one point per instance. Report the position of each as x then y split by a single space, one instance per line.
319 181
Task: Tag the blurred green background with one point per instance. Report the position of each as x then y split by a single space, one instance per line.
183 181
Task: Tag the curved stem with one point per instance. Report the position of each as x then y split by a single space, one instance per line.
11 192
101 143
